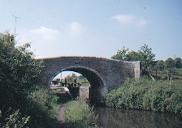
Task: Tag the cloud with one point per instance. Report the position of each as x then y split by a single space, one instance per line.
42 39
44 33
123 19
129 20
75 28
46 41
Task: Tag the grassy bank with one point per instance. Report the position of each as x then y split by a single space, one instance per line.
43 107
78 114
161 96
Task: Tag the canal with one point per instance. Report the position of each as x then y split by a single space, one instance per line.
118 118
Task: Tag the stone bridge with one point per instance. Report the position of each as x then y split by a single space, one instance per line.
103 74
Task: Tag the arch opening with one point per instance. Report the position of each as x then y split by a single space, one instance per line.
96 94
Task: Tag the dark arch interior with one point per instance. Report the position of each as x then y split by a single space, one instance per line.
95 95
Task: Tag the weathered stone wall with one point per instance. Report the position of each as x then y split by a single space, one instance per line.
103 74
84 92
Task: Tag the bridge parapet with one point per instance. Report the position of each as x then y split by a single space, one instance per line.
103 74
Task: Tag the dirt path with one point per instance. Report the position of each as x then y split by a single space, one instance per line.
61 114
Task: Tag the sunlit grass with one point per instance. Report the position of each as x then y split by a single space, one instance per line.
78 114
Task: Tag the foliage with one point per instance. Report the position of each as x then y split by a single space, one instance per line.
78 114
147 95
150 67
160 65
16 120
133 56
121 54
178 62
147 59
18 77
44 97
42 106
18 71
144 55
170 65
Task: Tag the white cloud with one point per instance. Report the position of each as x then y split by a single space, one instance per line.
44 33
129 20
42 40
46 41
124 19
75 28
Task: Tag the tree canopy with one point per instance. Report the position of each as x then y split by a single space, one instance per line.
148 62
19 99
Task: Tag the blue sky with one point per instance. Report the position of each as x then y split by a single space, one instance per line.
95 27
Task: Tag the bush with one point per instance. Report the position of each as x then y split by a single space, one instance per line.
147 95
78 114
16 120
18 74
44 97
42 108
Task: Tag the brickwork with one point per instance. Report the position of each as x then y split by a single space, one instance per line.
103 74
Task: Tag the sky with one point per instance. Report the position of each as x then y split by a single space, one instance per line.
94 27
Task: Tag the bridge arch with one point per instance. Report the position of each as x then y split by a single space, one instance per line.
95 79
85 71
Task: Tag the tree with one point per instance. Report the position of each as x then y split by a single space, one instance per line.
133 56
178 62
159 66
147 60
144 55
121 54
170 65
18 72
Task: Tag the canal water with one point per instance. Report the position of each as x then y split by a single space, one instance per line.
118 118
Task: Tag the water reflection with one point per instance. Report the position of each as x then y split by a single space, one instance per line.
111 118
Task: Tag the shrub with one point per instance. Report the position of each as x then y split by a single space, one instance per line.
18 73
16 120
148 95
42 107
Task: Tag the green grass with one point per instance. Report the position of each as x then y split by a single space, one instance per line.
78 114
143 94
